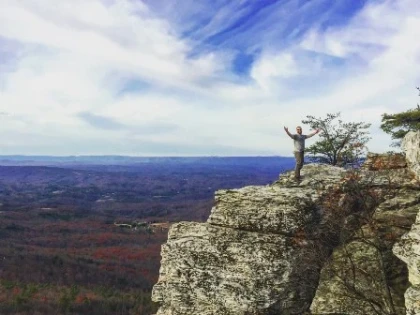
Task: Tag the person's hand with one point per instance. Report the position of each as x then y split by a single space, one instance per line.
318 130
286 129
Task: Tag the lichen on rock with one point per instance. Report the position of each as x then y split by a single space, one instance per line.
363 276
262 250
411 147
408 250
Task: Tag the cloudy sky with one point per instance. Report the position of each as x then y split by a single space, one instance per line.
198 77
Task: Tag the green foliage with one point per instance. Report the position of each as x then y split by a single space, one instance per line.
398 125
7 284
340 142
24 294
35 298
67 298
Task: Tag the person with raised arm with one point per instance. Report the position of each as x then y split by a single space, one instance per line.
299 147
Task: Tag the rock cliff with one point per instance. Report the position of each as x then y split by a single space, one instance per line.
408 248
363 276
411 147
248 257
272 249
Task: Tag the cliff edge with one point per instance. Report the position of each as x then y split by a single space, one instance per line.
263 248
408 248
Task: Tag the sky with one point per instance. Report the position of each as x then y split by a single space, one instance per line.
199 77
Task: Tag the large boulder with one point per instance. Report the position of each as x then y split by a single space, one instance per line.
262 249
411 147
408 250
260 252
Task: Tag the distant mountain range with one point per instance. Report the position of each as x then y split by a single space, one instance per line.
35 160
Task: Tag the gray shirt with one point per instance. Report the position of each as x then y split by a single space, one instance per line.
299 142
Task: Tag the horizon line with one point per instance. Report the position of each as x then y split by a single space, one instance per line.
135 156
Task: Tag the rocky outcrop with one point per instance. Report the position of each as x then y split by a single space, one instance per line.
260 251
262 248
270 249
363 276
411 147
408 248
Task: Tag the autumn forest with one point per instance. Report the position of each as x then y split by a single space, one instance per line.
85 238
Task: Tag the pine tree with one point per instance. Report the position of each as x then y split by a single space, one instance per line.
398 125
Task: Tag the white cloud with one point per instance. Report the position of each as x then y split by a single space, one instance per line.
121 38
367 34
269 67
71 62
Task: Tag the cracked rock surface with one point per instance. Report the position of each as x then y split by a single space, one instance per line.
408 248
263 250
248 258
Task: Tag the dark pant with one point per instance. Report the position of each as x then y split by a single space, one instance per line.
299 163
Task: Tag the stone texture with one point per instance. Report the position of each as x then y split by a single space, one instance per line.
209 269
262 249
408 250
367 253
411 147
255 255
283 208
361 269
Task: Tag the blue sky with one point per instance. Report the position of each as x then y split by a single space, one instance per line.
166 77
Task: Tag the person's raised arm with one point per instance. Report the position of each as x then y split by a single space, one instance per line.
287 131
313 133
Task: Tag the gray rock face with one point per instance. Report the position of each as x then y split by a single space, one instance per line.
260 251
411 147
408 250
363 276
216 270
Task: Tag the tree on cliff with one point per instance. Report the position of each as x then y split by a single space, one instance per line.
340 142
398 125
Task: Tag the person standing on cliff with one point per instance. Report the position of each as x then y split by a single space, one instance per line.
299 143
